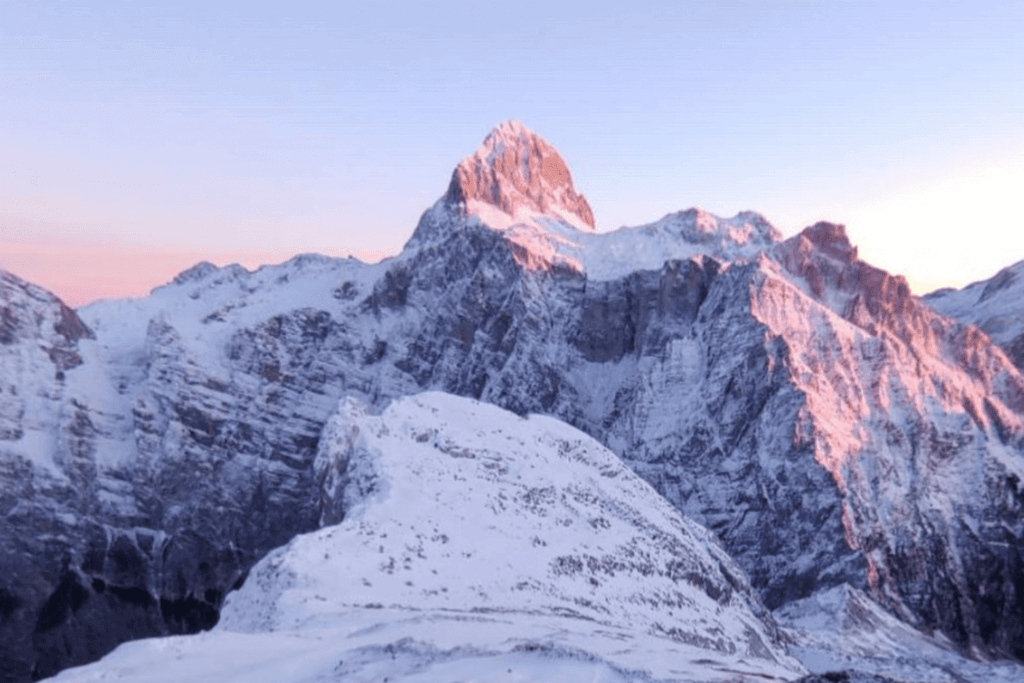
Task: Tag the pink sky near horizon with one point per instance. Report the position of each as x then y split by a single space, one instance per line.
140 138
80 275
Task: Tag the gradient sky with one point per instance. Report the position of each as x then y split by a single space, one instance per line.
138 138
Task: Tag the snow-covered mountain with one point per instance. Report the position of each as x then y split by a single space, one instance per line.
474 540
824 423
993 305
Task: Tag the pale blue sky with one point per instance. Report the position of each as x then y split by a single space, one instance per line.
253 131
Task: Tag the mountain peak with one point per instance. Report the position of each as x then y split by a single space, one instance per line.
519 173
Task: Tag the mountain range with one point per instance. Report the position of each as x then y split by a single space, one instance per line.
821 456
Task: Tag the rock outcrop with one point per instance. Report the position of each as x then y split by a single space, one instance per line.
520 174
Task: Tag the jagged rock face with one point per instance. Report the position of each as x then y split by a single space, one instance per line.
800 403
668 367
919 421
140 485
805 406
31 315
518 172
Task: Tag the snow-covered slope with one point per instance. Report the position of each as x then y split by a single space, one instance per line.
843 629
994 305
543 242
478 543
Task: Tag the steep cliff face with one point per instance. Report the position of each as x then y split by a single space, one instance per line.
826 425
800 402
47 472
830 427
919 421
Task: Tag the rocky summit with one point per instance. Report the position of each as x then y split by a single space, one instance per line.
834 432
519 173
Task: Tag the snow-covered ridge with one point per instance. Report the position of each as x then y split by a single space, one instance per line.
207 303
475 538
693 233
21 317
993 305
920 421
546 241
41 340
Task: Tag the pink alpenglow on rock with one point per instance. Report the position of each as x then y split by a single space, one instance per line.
518 172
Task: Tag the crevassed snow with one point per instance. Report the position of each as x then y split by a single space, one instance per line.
477 545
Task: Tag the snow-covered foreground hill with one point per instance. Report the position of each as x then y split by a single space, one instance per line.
477 545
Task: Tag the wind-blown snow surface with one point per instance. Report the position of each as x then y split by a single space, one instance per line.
478 544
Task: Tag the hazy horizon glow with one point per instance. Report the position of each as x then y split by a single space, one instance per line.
137 136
